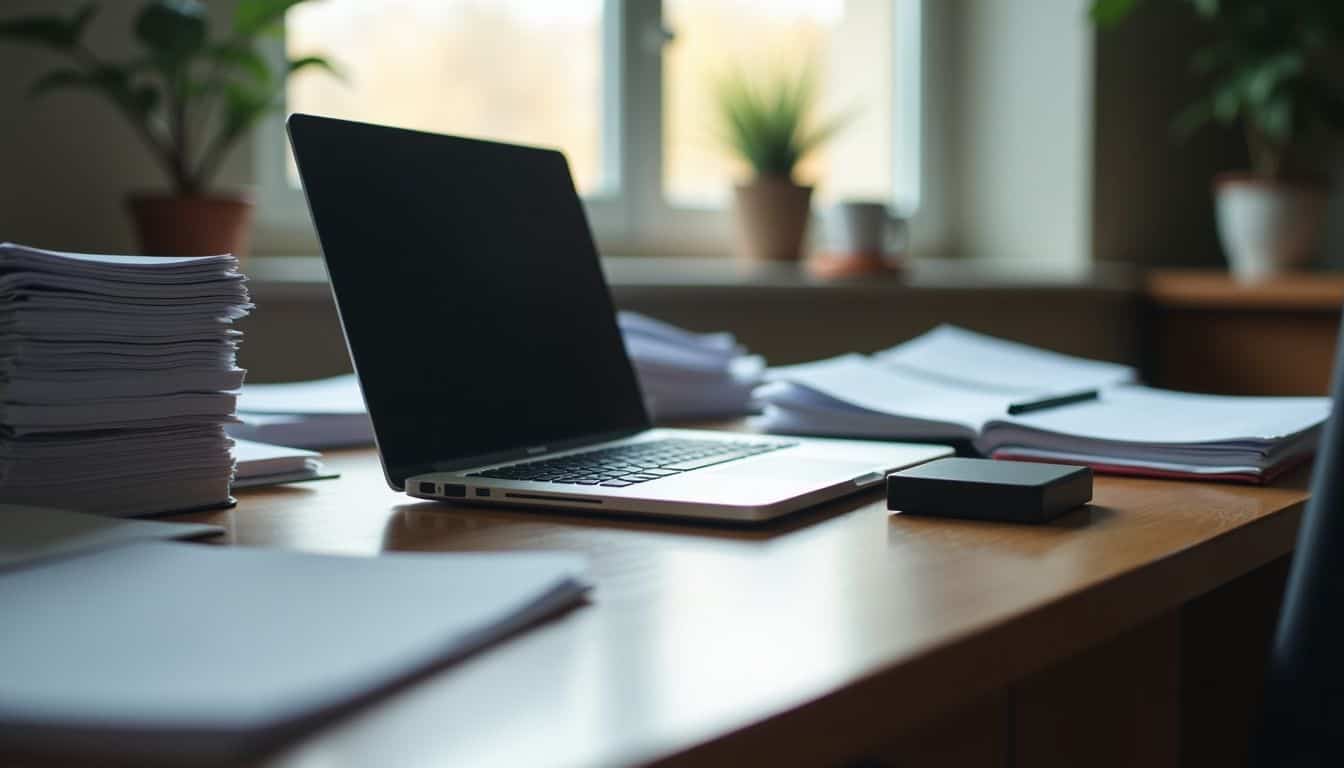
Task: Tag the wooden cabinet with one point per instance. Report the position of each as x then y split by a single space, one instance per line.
1209 333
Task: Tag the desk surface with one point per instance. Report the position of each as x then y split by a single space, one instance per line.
705 642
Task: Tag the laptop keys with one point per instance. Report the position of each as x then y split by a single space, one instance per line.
626 465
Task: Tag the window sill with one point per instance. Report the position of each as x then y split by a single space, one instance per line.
300 278
777 310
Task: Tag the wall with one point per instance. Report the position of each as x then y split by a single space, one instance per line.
1151 196
1021 85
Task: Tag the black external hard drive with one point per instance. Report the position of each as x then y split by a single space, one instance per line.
983 489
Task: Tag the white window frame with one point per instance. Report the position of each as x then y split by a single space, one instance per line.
630 215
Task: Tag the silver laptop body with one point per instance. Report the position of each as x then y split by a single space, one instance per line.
485 341
799 473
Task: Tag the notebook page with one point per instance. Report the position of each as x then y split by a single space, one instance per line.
1138 414
952 354
860 382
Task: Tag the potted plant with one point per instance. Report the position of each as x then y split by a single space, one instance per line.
188 97
1276 68
769 126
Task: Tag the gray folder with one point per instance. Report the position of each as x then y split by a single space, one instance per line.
198 653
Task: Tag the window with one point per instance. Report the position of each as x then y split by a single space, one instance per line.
621 86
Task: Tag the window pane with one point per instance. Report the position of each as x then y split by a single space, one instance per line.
850 43
522 71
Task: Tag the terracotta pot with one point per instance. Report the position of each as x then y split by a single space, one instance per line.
1268 227
772 216
192 226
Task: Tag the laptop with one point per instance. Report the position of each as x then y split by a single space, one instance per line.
485 342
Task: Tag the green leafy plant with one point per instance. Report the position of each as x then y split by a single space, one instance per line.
1274 66
769 123
189 98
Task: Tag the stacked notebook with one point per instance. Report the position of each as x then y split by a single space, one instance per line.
118 377
953 385
687 375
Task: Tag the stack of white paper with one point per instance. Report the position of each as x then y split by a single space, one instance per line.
118 376
954 385
262 464
326 413
688 375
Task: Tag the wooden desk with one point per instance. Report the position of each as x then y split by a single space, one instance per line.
1128 633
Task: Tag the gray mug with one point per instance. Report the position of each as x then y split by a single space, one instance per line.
863 228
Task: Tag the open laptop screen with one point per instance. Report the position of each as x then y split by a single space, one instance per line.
470 291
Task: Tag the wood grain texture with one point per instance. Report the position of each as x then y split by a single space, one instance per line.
817 640
1210 289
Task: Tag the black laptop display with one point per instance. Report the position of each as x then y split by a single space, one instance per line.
484 321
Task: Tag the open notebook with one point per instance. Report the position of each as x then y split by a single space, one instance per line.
955 385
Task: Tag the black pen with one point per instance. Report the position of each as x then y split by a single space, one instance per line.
1032 406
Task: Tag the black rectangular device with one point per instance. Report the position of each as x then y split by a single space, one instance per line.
983 489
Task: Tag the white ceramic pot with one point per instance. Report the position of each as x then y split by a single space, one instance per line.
1268 227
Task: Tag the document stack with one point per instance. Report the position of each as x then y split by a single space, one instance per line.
688 375
260 464
323 413
952 385
118 376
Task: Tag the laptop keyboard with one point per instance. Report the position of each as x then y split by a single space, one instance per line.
624 465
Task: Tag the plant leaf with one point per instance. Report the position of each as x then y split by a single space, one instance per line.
243 106
1109 13
241 57
309 62
252 17
111 81
1275 120
62 79
173 30
767 123
59 32
1263 81
1206 8
1189 120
